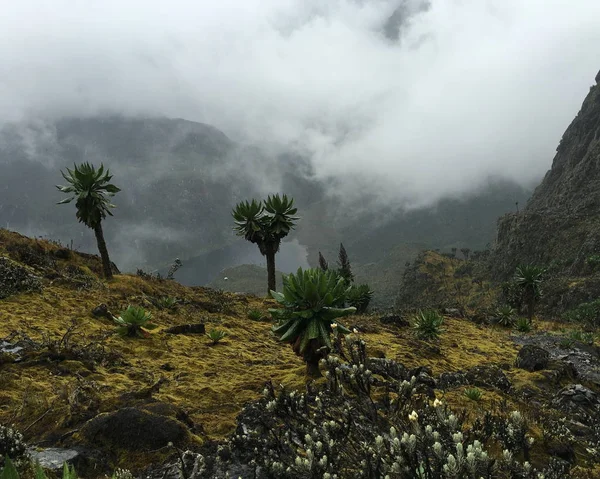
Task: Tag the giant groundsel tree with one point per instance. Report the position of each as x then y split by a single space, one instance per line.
92 190
266 223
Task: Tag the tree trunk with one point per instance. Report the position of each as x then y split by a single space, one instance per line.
271 280
106 268
531 305
312 356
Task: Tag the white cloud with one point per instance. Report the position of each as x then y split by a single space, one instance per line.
473 88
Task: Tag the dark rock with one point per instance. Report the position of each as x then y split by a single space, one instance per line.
388 369
196 328
564 451
488 376
532 358
134 430
559 370
451 380
576 398
101 311
598 77
394 320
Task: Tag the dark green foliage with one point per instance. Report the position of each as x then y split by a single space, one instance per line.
593 261
359 297
215 335
266 224
92 190
323 264
344 268
427 324
169 303
529 278
9 471
505 315
474 394
466 252
582 336
312 301
588 313
134 321
255 315
523 325
173 268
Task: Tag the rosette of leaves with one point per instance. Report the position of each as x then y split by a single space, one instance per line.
359 296
135 322
311 302
427 324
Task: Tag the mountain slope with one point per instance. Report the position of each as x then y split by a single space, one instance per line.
560 226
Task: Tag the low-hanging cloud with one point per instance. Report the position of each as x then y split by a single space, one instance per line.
404 100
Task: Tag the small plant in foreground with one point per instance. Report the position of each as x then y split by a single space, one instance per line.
216 335
255 315
134 321
474 394
428 324
311 301
505 315
11 443
523 325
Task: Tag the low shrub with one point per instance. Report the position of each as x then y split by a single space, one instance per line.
588 313
523 325
427 324
134 322
359 297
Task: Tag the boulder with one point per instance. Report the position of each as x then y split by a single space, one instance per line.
488 376
576 397
53 458
197 328
134 429
532 358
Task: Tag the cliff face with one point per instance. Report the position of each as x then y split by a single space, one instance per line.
560 226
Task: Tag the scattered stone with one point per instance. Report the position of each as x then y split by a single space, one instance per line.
453 312
532 358
135 430
195 328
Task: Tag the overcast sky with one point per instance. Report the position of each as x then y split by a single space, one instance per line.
466 89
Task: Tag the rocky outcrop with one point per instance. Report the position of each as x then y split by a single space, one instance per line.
560 226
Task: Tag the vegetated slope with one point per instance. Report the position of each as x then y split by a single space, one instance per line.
560 226
73 371
180 180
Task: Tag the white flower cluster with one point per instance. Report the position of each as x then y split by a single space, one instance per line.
12 445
